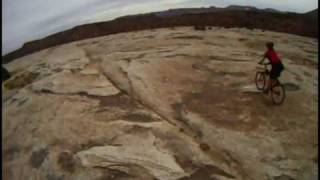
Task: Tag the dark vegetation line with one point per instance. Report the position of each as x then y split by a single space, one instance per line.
299 24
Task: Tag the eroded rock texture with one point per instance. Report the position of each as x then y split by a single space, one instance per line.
162 104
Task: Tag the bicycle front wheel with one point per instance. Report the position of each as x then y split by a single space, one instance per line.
278 94
260 80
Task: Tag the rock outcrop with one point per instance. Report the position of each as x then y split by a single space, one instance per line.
5 74
233 16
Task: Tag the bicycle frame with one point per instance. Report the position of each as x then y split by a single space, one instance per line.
265 69
265 72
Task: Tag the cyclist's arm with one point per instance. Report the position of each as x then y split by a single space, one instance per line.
269 62
260 62
263 58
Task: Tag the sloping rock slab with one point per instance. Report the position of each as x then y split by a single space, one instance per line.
160 164
70 83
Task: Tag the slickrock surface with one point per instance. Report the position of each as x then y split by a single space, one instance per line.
161 104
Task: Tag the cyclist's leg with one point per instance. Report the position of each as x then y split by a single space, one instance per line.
274 82
271 82
271 79
274 76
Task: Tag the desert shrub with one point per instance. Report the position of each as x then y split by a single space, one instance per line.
199 28
242 39
21 80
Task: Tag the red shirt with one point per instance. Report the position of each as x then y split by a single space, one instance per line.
272 56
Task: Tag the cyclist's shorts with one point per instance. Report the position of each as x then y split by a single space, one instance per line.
276 70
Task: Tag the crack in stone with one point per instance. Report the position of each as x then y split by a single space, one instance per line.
135 97
129 93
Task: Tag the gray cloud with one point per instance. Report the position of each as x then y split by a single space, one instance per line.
24 21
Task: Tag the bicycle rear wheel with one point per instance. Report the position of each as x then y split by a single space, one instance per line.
260 80
278 94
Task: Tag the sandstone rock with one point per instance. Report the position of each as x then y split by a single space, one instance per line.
69 83
170 108
160 164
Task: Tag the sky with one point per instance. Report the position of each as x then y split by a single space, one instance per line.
28 20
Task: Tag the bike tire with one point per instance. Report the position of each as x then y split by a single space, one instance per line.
260 80
278 94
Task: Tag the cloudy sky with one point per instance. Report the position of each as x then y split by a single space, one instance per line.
27 20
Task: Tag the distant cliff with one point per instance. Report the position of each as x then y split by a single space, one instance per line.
232 16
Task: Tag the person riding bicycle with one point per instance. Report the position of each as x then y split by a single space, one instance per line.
276 65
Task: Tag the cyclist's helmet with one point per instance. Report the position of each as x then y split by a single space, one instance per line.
269 45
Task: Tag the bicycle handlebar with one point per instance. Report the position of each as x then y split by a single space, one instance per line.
265 64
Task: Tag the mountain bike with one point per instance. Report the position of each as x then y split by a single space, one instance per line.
277 90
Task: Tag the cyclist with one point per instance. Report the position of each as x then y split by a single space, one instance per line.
276 65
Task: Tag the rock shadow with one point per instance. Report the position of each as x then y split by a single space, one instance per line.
291 87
